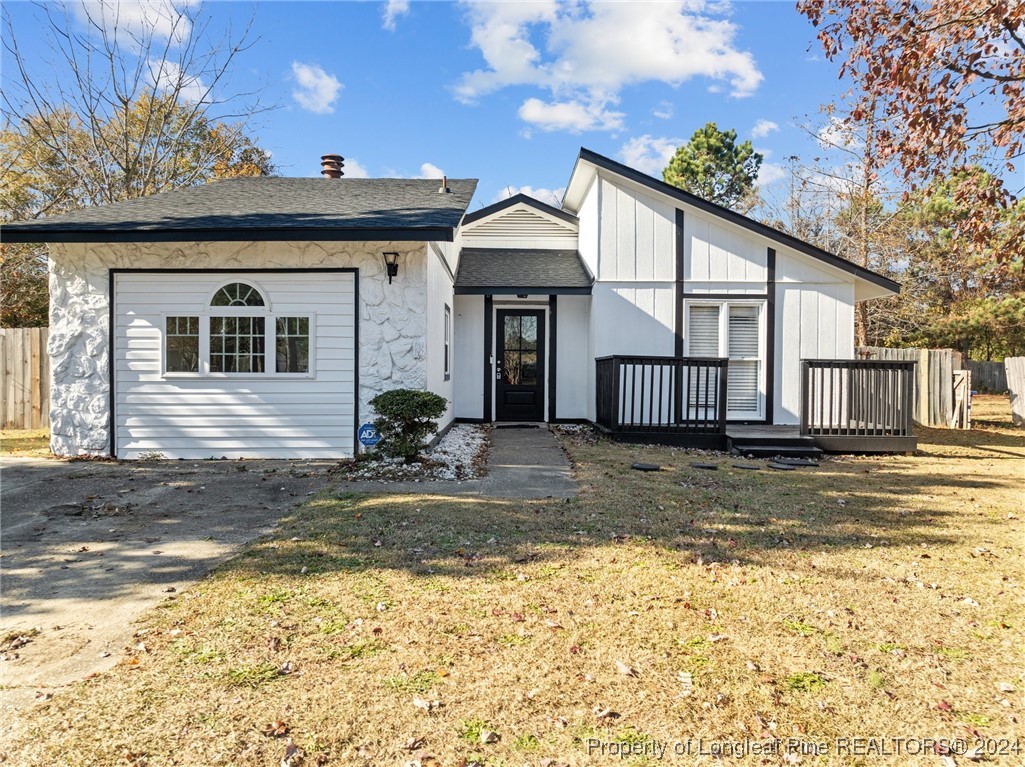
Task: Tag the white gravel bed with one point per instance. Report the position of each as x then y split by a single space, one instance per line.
461 454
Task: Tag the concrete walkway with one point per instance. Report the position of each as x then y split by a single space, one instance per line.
528 463
522 463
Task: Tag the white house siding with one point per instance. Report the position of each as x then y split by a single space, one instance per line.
264 415
468 362
439 295
520 227
391 318
814 320
588 224
573 361
633 307
637 236
721 257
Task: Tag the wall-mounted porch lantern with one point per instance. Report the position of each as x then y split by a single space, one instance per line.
391 262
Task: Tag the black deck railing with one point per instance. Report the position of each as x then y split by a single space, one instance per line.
856 398
661 395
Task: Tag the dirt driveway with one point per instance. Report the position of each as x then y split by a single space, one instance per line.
88 546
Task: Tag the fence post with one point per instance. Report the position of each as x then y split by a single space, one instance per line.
1015 367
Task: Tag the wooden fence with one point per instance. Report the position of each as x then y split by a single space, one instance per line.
24 378
989 377
934 397
1016 385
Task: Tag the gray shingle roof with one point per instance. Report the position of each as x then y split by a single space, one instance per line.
514 268
267 208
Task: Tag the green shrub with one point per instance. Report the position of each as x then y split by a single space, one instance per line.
405 421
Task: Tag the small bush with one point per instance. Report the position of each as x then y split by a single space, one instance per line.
405 421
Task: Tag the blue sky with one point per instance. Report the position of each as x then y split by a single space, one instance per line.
509 92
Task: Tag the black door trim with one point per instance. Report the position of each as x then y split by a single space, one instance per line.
537 409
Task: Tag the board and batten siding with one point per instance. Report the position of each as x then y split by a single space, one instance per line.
265 415
520 227
814 320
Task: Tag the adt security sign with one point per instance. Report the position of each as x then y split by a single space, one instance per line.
368 435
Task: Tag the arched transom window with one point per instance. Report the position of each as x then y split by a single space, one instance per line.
237 294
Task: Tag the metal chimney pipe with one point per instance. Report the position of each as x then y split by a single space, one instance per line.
443 189
331 165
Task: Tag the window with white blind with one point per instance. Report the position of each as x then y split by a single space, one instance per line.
733 330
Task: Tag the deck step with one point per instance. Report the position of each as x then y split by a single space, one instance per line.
789 449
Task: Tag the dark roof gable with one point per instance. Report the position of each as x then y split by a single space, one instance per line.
267 208
732 216
516 199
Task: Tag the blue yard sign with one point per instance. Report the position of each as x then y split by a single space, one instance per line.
368 435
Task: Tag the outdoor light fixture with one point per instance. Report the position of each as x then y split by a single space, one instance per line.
391 261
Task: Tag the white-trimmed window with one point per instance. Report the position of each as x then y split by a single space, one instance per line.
292 344
732 329
239 335
448 342
181 346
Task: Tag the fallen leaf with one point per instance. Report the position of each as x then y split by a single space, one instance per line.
293 756
1005 687
944 706
625 669
426 705
414 743
605 713
275 729
489 736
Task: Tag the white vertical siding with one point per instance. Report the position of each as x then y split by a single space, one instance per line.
814 320
439 294
468 359
253 416
589 224
720 257
571 374
632 319
638 236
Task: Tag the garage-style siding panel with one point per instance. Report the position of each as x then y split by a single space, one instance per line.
257 415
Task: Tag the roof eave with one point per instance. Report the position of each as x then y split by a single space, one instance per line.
506 290
277 234
594 161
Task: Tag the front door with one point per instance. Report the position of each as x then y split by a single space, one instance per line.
520 366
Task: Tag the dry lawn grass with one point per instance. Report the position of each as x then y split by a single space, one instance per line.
25 443
870 597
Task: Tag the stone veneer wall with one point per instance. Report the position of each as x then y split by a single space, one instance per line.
392 322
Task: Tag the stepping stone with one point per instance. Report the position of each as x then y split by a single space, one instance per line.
781 466
747 466
797 461
708 466
646 467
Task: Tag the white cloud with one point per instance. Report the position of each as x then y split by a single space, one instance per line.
586 53
770 173
353 169
551 197
392 10
430 170
572 116
763 128
663 110
317 91
138 19
167 77
649 154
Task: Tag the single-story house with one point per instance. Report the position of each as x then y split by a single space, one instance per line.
258 317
